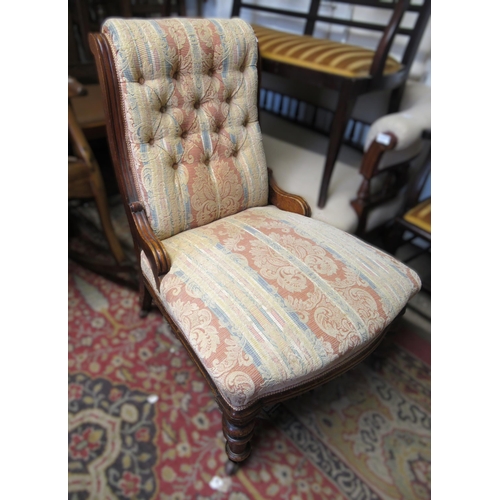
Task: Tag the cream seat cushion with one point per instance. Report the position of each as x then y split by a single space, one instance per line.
298 170
269 299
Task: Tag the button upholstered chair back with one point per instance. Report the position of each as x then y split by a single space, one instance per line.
188 97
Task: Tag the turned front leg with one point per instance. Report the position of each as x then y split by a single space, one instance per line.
238 434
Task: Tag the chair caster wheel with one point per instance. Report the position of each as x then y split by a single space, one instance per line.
231 468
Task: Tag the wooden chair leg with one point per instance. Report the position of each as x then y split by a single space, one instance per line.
396 97
93 178
361 227
394 237
238 433
347 99
145 299
103 209
107 227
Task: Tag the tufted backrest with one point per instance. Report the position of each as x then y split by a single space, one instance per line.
188 92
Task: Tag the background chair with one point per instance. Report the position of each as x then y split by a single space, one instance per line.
268 303
349 69
414 219
368 189
89 112
84 176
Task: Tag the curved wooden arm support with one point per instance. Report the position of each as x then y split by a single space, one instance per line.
286 201
369 169
384 46
149 243
371 159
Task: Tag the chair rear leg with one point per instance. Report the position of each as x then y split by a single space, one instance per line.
393 237
108 230
347 99
396 97
145 299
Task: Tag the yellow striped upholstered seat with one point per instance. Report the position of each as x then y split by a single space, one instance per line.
420 216
318 54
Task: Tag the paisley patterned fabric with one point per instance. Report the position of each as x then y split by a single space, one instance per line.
188 91
365 435
319 54
269 299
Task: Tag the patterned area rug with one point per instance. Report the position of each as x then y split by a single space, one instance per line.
143 423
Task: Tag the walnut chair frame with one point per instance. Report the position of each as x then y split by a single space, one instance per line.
350 88
238 425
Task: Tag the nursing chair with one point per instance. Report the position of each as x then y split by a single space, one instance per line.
268 302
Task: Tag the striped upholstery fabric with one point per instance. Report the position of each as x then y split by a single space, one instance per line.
269 299
188 91
318 54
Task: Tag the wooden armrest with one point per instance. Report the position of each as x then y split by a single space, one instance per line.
371 159
366 200
148 242
286 201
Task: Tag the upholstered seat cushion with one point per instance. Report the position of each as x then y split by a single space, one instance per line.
318 54
325 294
288 163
